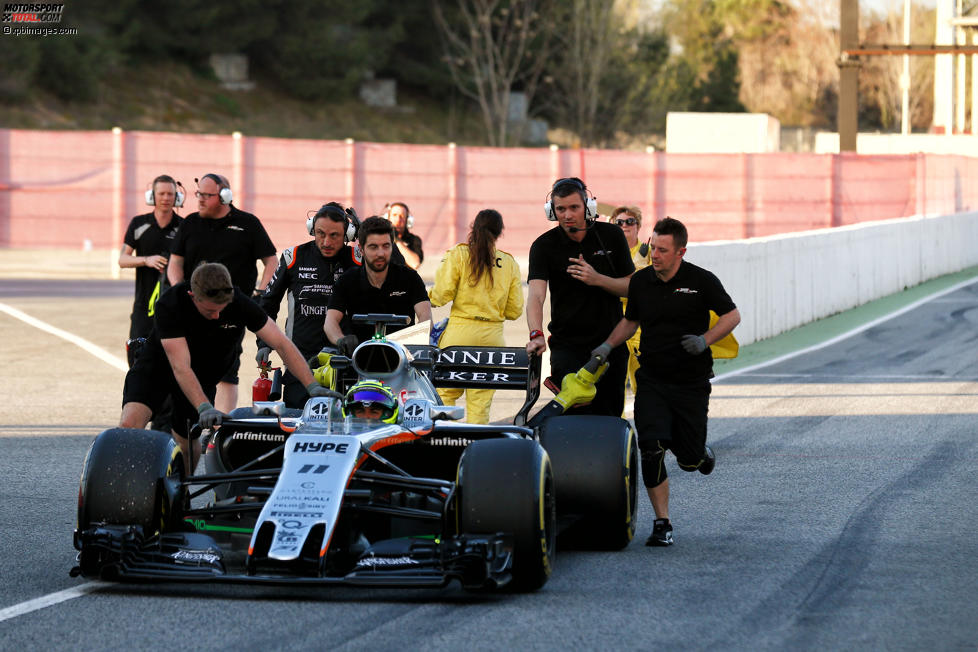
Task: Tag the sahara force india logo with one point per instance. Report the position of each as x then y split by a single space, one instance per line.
32 12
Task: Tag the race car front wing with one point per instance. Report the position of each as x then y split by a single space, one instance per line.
124 553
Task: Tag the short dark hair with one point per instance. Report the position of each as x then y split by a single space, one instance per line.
673 227
401 204
165 178
375 224
565 187
332 210
212 282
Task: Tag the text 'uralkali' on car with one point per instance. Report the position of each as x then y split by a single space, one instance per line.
323 497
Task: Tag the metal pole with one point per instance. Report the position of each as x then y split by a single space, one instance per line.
974 84
959 92
905 77
848 113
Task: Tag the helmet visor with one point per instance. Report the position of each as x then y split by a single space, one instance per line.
369 396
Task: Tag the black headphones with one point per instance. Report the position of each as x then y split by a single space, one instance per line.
351 221
590 205
225 188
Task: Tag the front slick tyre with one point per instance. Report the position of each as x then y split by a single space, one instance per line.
131 477
507 486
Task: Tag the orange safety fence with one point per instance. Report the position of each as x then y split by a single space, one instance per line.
70 189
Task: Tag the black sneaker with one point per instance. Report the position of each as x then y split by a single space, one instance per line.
661 533
709 461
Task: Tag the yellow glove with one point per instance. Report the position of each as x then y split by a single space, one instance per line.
325 375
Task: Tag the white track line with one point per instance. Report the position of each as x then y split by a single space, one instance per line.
52 599
630 401
49 600
69 594
854 331
83 344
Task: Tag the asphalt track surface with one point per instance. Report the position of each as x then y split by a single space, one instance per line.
841 514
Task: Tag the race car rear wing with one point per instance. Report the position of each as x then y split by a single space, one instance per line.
486 367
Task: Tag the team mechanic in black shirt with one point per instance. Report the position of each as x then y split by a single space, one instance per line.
408 250
587 265
378 286
146 247
308 273
198 330
220 233
671 300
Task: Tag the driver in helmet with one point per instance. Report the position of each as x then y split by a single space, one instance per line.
371 399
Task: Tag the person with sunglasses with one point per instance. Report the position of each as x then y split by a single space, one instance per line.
219 232
199 325
629 219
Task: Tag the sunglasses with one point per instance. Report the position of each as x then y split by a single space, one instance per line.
630 221
216 292
205 195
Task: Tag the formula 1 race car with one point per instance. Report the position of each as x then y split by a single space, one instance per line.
323 497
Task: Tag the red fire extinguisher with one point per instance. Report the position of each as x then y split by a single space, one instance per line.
263 386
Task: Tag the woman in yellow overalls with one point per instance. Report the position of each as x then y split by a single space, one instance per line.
485 289
629 218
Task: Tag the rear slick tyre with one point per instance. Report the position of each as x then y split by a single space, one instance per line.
507 486
595 462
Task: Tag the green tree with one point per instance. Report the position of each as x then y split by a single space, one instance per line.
704 33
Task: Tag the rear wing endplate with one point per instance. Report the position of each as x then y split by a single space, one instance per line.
488 367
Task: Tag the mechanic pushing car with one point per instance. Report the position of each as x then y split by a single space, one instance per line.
307 273
198 328
378 286
672 300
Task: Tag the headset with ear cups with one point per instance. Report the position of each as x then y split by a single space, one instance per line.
590 205
350 220
224 194
177 201
408 222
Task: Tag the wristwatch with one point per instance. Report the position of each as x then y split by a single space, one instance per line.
535 334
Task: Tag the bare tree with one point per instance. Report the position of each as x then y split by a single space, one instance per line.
586 44
492 47
879 80
787 62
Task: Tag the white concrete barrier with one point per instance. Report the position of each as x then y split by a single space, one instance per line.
784 281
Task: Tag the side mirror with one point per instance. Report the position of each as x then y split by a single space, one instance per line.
340 362
446 412
269 408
